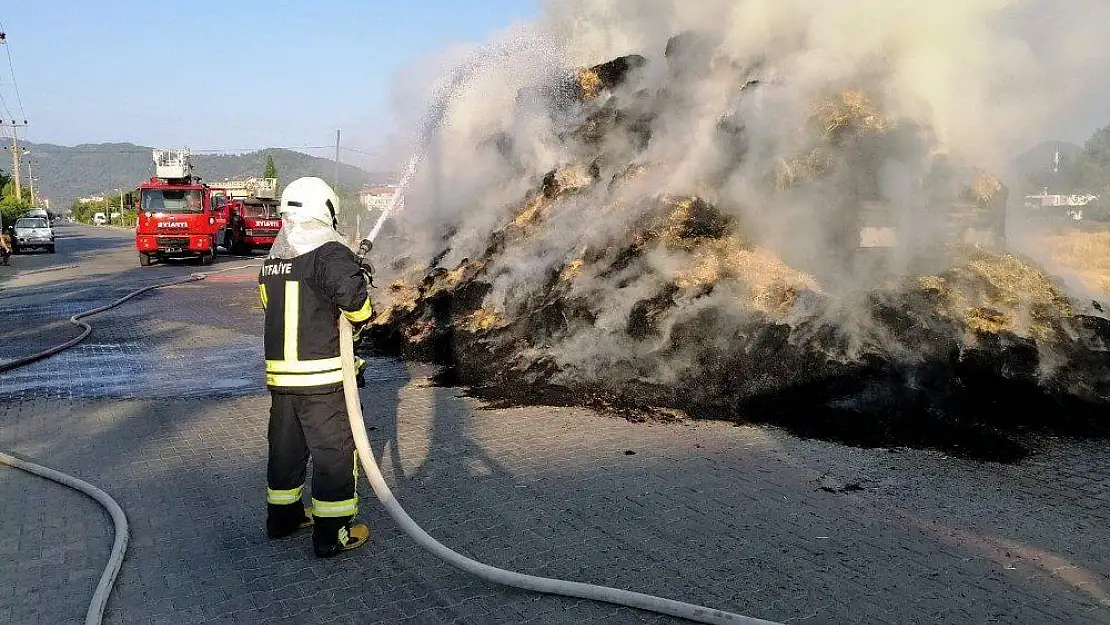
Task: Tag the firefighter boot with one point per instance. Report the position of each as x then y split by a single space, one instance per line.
286 520
332 536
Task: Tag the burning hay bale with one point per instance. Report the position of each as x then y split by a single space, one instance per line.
848 113
592 81
1001 294
629 278
769 285
686 222
813 166
481 320
984 189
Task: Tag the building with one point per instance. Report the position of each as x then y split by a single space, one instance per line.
91 199
376 199
262 188
1072 205
1045 199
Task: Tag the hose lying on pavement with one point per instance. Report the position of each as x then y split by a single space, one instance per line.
95 613
545 585
108 579
489 573
86 328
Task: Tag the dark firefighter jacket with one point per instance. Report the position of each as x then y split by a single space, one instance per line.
303 298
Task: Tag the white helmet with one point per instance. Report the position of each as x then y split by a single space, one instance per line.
310 198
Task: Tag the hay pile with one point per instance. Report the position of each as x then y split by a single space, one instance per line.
682 309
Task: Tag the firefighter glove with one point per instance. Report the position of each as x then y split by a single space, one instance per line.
368 273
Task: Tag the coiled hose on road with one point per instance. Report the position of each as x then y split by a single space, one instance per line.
99 603
108 579
489 573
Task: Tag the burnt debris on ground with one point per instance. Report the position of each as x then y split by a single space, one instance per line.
914 325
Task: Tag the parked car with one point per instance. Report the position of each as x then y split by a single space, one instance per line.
33 232
99 219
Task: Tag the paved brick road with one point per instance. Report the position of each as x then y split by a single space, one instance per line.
747 519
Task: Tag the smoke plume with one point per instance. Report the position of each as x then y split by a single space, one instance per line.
978 78
669 214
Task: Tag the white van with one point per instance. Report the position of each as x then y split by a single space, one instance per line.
99 219
33 232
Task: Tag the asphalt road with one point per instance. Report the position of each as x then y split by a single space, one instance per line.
164 408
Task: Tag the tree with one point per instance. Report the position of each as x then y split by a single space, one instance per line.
1086 172
84 211
271 169
1097 147
1091 169
12 207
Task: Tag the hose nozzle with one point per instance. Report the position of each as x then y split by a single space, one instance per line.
363 250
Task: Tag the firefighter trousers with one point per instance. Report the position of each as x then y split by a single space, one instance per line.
316 425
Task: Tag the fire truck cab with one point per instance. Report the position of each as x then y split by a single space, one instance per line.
177 214
253 221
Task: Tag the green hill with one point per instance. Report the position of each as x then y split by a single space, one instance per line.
65 173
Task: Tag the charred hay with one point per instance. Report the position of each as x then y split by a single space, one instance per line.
976 357
977 347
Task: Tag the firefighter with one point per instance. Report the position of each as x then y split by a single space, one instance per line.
309 279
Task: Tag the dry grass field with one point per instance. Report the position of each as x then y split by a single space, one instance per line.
1086 253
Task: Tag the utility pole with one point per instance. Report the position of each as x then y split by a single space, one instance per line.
31 179
335 179
15 167
16 158
120 213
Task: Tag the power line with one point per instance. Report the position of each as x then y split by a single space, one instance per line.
46 149
4 105
249 150
359 151
11 68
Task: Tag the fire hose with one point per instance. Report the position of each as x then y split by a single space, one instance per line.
616 596
489 573
119 520
95 613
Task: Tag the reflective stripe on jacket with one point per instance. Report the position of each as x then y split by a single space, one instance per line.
303 298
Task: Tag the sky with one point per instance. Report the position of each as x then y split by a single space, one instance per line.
230 75
240 75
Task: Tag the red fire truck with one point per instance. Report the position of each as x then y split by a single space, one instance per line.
253 223
179 217
252 215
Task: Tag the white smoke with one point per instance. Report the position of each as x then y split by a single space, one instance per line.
971 79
